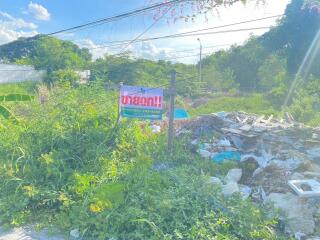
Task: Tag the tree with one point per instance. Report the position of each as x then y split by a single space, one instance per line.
63 77
45 52
272 73
295 34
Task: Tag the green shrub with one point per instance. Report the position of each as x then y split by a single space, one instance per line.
68 164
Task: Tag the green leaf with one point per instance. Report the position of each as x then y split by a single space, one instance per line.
16 98
5 112
112 192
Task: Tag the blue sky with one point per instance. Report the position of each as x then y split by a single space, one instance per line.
26 18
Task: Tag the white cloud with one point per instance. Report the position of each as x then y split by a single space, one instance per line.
38 11
96 50
149 50
12 28
224 15
227 15
186 49
145 49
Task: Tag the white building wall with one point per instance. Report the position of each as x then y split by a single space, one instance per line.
84 76
10 73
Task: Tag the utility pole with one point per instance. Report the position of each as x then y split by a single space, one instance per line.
200 63
171 111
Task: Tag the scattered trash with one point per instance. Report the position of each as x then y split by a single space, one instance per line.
230 188
223 156
180 113
299 215
288 164
234 175
259 195
224 143
300 236
296 176
75 234
306 188
271 153
155 128
204 153
245 191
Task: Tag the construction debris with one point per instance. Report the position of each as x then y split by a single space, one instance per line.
234 175
284 159
306 188
299 217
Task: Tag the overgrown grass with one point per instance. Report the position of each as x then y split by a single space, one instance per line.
253 104
21 88
65 164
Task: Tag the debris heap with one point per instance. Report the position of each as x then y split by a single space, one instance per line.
284 157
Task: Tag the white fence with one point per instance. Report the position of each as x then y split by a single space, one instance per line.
10 73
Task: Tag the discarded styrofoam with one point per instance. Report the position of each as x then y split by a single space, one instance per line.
224 143
234 175
306 188
229 189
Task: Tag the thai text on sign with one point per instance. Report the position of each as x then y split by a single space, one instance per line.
141 102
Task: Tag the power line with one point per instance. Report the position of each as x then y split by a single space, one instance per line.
110 19
180 36
140 35
211 28
146 30
185 34
207 47
116 17
173 35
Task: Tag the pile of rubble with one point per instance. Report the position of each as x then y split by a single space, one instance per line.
279 162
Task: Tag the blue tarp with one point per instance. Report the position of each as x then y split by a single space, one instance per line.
180 113
224 156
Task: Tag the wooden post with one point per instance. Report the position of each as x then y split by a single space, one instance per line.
119 103
171 111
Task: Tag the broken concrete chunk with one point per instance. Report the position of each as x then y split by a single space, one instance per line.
288 165
300 236
306 188
312 174
271 153
245 191
296 176
246 127
229 189
75 234
298 216
234 175
314 153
